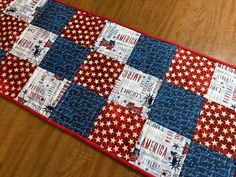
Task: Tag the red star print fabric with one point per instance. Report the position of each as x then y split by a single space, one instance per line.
10 30
14 74
216 128
190 71
84 28
99 73
117 130
4 3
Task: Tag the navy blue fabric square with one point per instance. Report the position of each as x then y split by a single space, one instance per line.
234 168
177 109
2 53
53 17
78 109
152 56
203 162
64 58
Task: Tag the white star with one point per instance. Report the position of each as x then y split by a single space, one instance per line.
229 140
196 137
223 146
207 144
223 113
204 135
231 116
214 143
216 129
125 148
233 147
221 138
98 139
118 133
120 141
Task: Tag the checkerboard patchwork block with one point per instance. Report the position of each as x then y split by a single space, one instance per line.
216 128
116 130
14 74
33 44
83 28
10 30
176 109
190 71
152 56
140 99
99 73
53 17
78 109
4 4
24 10
43 91
203 162
64 58
223 86
135 90
160 151
116 41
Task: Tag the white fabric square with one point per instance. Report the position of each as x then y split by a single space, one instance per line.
135 90
116 41
43 91
160 151
24 9
33 44
222 89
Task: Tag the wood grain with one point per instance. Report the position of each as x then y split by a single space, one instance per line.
29 147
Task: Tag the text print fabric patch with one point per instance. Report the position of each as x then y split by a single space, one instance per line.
24 9
116 41
43 91
160 151
223 86
135 90
33 44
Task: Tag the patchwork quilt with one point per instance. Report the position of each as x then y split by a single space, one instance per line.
157 107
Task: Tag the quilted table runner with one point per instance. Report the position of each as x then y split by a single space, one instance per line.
158 107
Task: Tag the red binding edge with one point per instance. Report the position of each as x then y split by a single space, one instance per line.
76 135
72 133
152 36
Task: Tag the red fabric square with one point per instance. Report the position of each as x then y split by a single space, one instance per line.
216 128
190 71
3 4
117 130
10 30
83 28
98 73
14 73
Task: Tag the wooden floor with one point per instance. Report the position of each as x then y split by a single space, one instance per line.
30 147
